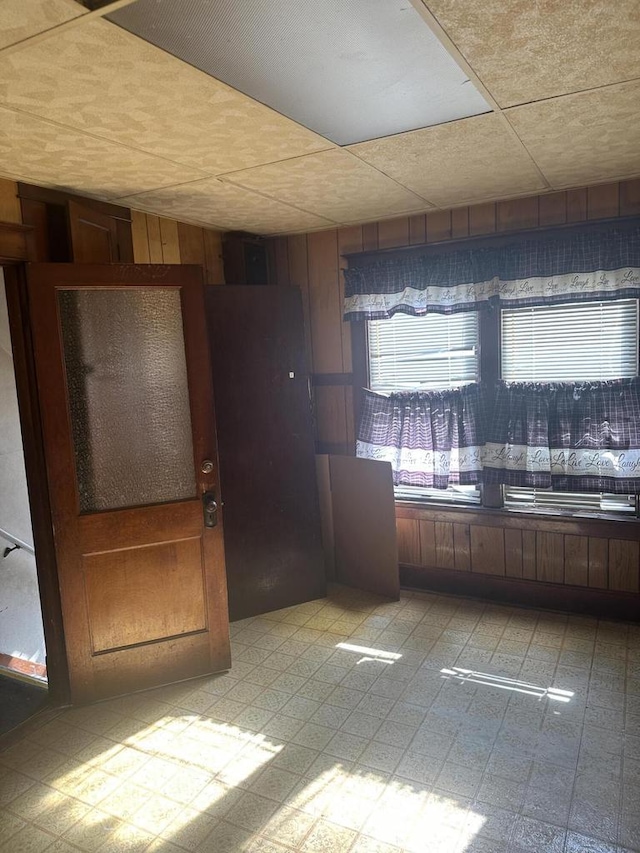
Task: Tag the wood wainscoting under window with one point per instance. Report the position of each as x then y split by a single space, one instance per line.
586 565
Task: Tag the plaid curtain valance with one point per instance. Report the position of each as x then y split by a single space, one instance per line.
576 437
585 266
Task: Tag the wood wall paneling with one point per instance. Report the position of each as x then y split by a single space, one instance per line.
517 213
417 229
324 300
9 202
552 209
529 556
623 565
459 223
408 541
155 239
427 543
576 560
191 242
299 277
461 547
576 205
603 201
630 197
438 226
482 219
598 574
550 557
487 550
214 267
369 236
140 237
393 232
169 241
445 554
513 553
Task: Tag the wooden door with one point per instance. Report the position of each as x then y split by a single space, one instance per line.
265 437
128 424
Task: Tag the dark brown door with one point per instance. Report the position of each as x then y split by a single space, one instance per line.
265 438
123 376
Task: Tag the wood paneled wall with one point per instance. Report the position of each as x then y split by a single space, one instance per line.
598 555
157 240
486 553
314 263
9 201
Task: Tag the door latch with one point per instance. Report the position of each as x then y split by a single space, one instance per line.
210 509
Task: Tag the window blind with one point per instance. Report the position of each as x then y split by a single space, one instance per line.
570 343
423 353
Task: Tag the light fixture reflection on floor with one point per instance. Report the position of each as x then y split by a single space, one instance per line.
508 684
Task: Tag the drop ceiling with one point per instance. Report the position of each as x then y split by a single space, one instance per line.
522 98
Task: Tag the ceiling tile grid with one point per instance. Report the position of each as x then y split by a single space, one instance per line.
333 184
42 152
585 138
22 19
217 204
524 51
456 163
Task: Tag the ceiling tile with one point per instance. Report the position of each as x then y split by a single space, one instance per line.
99 78
21 19
585 138
40 152
217 204
333 184
464 161
524 51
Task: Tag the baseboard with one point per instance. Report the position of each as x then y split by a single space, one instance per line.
603 603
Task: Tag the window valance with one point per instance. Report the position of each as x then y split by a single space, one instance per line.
592 265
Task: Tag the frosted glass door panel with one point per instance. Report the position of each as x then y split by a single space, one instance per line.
128 397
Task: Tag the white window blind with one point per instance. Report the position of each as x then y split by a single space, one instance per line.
423 353
570 343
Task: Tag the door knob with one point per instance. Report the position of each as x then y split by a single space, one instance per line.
207 466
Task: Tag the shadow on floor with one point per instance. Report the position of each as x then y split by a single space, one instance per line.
18 702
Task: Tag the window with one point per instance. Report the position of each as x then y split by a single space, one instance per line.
425 354
573 342
553 343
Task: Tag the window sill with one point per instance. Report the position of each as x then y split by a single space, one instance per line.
606 525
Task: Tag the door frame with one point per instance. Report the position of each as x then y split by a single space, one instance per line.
13 253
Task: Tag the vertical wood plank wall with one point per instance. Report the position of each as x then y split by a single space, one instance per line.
157 240
314 263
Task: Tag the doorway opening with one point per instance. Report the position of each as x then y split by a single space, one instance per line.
23 674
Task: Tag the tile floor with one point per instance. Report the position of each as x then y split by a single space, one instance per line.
350 724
